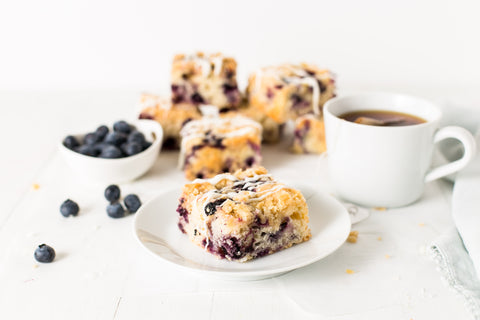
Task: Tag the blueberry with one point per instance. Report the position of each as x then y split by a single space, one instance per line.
211 208
115 210
91 138
70 142
100 146
44 253
88 150
197 98
112 193
122 126
111 152
145 115
132 148
69 208
146 145
132 203
250 161
101 132
116 138
136 136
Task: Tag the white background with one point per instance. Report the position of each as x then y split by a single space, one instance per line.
91 44
67 67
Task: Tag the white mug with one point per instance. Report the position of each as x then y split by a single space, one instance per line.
381 166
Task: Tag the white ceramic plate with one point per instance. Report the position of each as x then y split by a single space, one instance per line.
156 228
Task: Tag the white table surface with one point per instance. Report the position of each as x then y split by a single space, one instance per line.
101 272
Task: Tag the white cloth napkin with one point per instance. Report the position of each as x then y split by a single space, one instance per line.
457 254
457 269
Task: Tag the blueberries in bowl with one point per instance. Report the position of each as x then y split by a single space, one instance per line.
122 127
123 141
71 142
102 131
111 152
132 148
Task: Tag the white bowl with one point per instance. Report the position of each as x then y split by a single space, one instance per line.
109 171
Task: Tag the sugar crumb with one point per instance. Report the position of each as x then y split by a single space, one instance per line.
421 224
352 237
387 256
35 186
380 208
349 271
379 238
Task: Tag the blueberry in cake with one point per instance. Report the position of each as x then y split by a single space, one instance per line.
244 215
288 91
214 145
205 79
309 135
172 117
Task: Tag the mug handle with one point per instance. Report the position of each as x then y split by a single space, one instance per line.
469 146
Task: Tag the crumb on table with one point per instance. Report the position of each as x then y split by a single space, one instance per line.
379 238
387 256
35 186
349 271
421 224
352 237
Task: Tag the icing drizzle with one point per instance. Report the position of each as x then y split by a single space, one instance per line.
206 62
220 127
248 184
300 76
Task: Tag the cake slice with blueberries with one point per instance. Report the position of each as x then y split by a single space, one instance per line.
172 117
288 91
271 130
214 145
243 216
205 79
309 135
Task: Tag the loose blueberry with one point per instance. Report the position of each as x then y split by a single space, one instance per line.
111 152
102 132
70 142
112 193
44 253
115 210
122 126
88 150
91 138
69 208
132 203
132 148
136 136
116 138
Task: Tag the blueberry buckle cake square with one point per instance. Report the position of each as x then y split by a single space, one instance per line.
205 79
244 215
288 91
214 145
309 135
172 117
